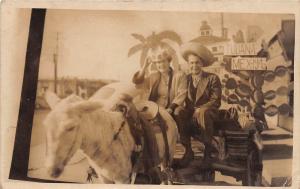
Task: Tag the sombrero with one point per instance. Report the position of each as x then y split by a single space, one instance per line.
198 50
232 99
231 83
280 71
243 90
282 91
270 95
269 76
284 109
257 81
147 109
258 96
271 110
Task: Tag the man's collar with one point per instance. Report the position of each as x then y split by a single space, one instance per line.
167 74
198 75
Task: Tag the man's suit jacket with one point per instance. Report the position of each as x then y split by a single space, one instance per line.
178 88
208 92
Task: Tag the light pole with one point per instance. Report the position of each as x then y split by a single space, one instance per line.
55 60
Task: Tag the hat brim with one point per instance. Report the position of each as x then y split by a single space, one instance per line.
147 109
198 50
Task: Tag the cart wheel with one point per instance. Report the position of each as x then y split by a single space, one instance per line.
253 175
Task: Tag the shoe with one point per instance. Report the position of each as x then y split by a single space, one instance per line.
187 158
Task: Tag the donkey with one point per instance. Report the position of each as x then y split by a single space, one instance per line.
76 124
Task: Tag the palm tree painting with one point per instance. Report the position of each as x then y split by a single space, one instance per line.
153 41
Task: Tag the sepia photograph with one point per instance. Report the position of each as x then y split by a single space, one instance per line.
157 97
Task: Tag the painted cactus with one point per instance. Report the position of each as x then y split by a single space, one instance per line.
245 89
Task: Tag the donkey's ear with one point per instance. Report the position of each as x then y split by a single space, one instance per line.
84 107
123 108
52 99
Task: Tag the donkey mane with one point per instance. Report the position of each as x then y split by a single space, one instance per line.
100 126
113 156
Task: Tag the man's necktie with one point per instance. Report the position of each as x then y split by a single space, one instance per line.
195 81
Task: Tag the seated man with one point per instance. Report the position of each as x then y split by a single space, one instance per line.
166 87
204 96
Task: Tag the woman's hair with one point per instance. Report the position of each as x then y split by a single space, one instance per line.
161 52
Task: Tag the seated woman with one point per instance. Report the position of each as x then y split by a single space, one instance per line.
166 87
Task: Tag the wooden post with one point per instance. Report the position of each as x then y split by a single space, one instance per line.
55 60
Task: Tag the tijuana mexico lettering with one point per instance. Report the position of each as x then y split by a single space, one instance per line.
252 63
241 49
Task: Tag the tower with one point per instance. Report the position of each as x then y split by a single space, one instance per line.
205 29
55 60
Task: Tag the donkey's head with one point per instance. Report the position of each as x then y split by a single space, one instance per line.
126 106
63 129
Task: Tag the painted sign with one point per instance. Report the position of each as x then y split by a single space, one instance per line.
249 63
238 49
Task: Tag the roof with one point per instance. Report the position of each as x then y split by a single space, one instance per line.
207 40
286 38
274 38
205 26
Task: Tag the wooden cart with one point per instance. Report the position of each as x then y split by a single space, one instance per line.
239 154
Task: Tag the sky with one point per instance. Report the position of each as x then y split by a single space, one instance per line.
94 44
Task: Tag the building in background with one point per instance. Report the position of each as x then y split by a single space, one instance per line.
215 43
67 86
248 84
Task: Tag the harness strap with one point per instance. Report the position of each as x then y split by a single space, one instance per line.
136 165
115 137
135 129
169 86
118 132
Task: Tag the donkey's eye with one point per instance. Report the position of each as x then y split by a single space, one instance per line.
70 129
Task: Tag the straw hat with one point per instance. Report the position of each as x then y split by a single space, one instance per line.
198 50
147 109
